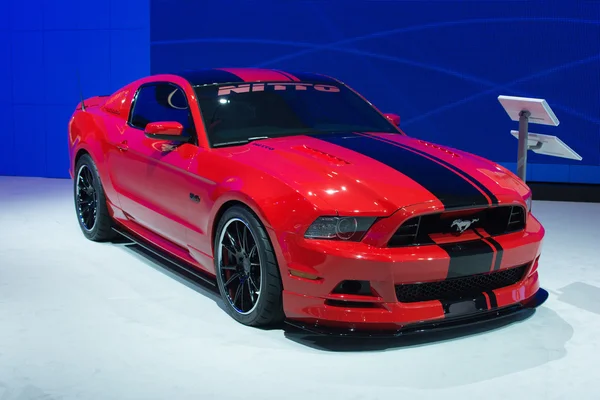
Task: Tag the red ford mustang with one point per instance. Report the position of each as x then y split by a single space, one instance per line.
304 202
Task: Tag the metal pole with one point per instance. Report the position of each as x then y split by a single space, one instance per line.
523 144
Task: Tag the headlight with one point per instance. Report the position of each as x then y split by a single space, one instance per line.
528 202
342 228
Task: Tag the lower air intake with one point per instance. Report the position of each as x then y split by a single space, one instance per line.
459 288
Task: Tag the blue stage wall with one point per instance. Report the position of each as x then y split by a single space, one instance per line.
439 64
42 46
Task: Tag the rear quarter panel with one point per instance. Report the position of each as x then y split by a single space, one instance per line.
88 133
96 129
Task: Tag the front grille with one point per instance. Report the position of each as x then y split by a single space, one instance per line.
495 221
459 288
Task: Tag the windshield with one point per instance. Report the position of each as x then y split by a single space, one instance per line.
236 114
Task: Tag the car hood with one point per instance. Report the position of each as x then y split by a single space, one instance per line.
378 173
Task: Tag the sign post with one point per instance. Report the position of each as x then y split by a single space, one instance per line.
522 154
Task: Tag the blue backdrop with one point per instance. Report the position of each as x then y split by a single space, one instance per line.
42 46
440 65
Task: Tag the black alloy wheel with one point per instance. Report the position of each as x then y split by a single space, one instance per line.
90 202
86 198
240 266
247 272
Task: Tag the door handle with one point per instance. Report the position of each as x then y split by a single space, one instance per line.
123 146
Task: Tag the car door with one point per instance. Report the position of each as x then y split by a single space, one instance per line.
154 186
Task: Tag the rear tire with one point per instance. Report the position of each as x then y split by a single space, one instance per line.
90 202
246 267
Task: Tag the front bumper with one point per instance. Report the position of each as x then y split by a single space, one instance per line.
312 269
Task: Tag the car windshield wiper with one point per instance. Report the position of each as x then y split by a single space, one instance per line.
250 139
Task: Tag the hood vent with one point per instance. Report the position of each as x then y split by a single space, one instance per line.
321 155
440 148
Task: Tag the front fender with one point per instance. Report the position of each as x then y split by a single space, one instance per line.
278 206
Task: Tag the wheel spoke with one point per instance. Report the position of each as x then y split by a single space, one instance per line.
253 284
89 220
232 278
232 240
90 177
229 248
252 252
237 293
242 295
245 239
250 291
237 233
83 178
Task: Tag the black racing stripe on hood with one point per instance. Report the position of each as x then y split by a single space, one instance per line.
449 187
481 186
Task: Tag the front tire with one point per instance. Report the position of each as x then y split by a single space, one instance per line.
90 202
247 272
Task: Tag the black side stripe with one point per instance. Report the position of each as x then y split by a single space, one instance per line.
468 258
478 184
499 252
451 189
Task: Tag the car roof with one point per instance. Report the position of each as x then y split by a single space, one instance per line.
238 75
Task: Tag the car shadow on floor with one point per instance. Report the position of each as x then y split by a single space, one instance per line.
581 295
354 344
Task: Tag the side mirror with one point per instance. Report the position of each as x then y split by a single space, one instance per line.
165 130
394 118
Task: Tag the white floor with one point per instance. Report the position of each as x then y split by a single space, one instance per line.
80 320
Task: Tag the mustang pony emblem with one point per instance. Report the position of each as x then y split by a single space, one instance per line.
462 225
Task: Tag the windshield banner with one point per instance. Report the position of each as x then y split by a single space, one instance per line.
261 87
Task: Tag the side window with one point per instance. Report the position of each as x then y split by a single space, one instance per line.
161 102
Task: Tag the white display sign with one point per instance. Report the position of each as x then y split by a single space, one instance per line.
548 145
540 111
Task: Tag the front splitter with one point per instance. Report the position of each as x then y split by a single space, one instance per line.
428 326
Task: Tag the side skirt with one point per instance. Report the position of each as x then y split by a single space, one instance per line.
172 262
